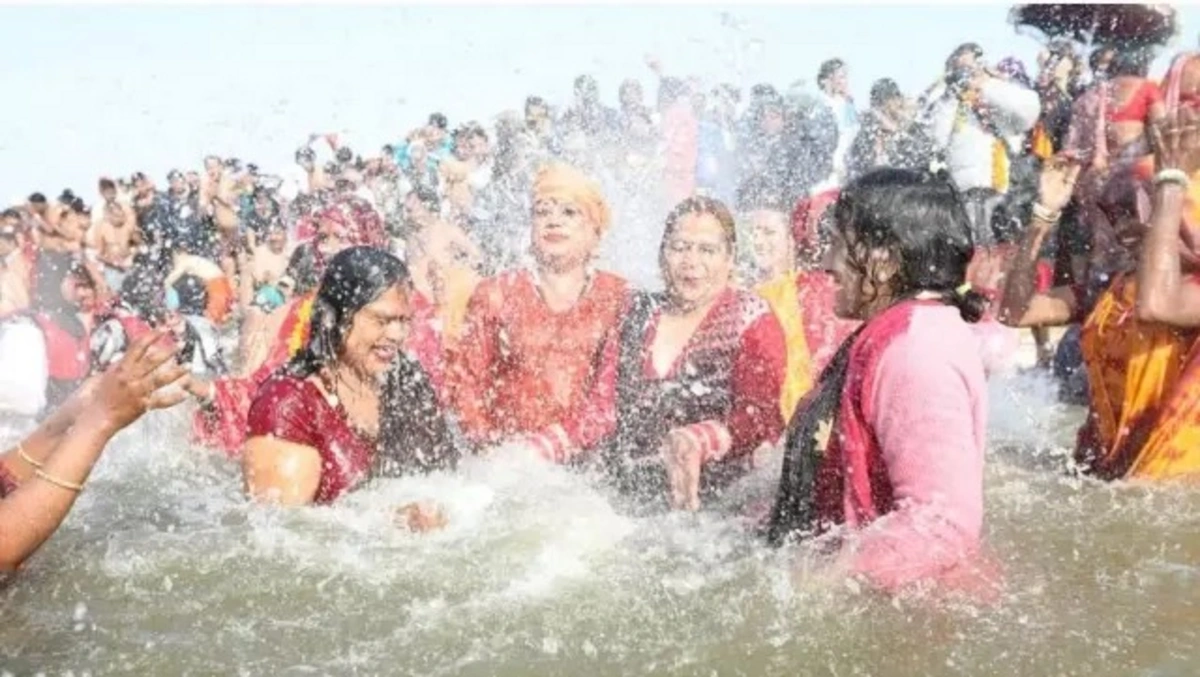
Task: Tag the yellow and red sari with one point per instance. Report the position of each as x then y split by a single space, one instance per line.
1144 418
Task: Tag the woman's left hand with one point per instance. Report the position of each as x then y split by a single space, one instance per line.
682 458
421 516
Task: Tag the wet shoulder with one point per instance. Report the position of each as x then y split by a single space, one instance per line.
287 407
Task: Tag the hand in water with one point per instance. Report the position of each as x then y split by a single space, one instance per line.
420 517
682 458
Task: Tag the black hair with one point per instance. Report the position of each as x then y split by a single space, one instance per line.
107 184
920 219
538 101
193 295
965 48
412 431
438 120
828 69
37 199
1097 56
10 213
884 90
1131 61
760 91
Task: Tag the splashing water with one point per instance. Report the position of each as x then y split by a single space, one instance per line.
163 568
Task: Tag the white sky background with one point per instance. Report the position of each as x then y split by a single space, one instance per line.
109 90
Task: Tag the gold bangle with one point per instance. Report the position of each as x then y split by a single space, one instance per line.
25 457
42 475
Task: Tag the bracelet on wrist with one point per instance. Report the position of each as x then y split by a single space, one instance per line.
1176 176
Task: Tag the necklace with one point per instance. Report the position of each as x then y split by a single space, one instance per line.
330 384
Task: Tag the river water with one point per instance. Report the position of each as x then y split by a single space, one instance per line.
163 569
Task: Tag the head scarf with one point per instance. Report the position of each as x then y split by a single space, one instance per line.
566 183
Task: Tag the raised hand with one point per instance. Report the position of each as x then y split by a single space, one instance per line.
138 383
1057 182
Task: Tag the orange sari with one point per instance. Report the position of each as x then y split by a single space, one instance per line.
1144 418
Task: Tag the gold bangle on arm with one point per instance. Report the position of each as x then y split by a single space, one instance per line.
25 457
70 486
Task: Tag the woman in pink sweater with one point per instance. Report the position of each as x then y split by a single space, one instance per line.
905 396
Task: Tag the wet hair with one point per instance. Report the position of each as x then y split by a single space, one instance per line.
700 206
412 431
107 184
535 101
828 69
919 219
883 91
37 199
439 121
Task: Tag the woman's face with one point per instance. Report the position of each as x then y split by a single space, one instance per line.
563 233
772 240
851 301
377 332
697 261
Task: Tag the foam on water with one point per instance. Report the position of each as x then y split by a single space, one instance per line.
538 573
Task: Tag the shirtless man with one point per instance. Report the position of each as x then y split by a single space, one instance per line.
113 235
267 264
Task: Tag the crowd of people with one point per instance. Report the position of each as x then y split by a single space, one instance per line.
835 282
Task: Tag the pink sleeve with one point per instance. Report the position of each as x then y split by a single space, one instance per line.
757 384
927 417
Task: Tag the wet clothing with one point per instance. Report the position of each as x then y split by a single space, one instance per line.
1144 415
900 465
724 385
783 295
520 366
294 409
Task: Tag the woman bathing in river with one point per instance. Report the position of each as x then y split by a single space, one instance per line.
890 442
689 386
350 405
1139 332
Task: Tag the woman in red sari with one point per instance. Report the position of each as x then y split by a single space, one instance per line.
690 385
532 338
221 420
350 405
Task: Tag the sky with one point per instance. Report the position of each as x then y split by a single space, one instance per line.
94 90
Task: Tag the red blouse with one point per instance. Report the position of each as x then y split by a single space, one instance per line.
520 366
740 326
294 410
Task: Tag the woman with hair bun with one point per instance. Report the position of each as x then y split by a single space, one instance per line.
889 445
